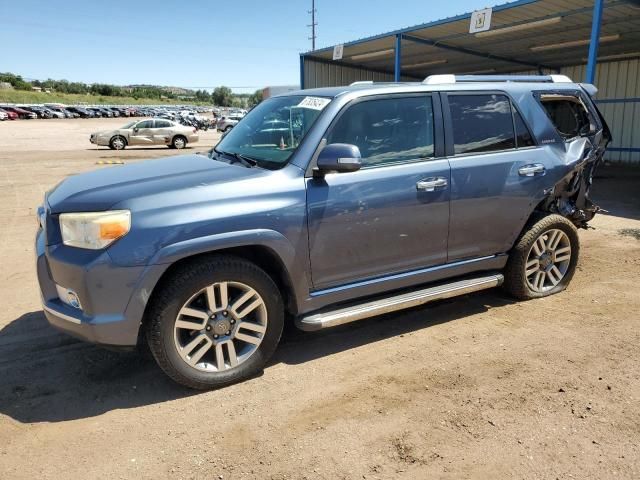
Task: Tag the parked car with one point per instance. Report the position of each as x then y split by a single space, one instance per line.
82 112
379 198
10 114
155 131
41 112
3 115
63 111
227 123
20 112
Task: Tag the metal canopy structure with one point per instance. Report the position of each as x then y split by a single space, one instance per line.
525 35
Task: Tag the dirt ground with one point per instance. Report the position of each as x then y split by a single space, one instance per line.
476 387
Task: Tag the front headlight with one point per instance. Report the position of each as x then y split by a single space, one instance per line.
94 230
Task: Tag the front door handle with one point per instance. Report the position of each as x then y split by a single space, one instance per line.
432 184
531 170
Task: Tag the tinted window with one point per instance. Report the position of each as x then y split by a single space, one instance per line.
567 114
162 124
481 123
523 137
145 124
388 130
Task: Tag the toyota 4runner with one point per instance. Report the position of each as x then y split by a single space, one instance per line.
365 200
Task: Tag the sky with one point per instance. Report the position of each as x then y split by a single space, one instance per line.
243 44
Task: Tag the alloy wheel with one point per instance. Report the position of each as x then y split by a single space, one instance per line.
548 260
220 327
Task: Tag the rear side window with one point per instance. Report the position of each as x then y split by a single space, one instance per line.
567 113
481 123
163 124
523 137
388 130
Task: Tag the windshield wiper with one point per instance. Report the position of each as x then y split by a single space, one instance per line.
238 157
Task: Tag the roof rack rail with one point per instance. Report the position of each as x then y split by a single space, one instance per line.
448 78
361 82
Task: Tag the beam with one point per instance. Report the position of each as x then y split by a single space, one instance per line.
595 40
357 66
397 70
475 53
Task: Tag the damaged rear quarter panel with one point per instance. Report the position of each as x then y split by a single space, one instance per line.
575 163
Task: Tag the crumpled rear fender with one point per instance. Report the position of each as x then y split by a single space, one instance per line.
570 196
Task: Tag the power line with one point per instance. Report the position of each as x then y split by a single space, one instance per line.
313 25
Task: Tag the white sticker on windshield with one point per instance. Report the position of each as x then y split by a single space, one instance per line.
315 103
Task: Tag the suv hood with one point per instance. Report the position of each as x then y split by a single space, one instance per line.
101 189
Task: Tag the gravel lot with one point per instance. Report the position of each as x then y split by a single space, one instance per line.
477 387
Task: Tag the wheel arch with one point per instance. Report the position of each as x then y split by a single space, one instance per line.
181 135
261 255
123 137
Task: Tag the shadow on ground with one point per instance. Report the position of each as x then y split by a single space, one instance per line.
617 190
50 377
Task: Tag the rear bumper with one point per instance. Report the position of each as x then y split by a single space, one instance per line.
112 297
193 138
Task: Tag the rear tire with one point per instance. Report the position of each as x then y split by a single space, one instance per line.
204 306
544 259
179 142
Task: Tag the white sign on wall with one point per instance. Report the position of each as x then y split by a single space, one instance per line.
337 52
480 21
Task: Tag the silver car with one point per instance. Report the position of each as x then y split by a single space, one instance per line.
152 131
227 123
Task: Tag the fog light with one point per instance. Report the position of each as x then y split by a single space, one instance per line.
68 296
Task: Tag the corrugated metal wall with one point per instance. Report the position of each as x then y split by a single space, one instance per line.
619 101
618 96
322 74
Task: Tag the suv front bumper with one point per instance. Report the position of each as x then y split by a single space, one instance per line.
112 298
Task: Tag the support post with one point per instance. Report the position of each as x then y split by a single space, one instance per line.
595 40
301 72
398 60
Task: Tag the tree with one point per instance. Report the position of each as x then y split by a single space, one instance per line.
255 98
222 97
203 96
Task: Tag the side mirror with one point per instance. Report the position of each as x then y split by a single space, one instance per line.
338 157
135 129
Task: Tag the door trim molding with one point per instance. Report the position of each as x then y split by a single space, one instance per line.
397 276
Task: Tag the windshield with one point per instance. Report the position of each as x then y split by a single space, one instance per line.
272 131
129 125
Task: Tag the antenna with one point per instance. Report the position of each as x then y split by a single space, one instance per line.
313 25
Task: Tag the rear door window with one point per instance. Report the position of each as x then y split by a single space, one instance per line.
568 114
481 123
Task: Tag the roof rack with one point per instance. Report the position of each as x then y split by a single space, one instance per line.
361 82
448 78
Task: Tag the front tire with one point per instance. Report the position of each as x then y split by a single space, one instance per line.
117 143
216 321
543 260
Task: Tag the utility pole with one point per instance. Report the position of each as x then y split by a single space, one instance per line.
313 25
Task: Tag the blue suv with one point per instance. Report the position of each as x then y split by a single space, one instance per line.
324 207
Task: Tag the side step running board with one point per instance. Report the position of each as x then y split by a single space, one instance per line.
318 321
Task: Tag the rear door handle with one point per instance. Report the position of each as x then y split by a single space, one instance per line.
432 184
531 170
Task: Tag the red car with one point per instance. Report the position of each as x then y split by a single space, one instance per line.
20 112
10 115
